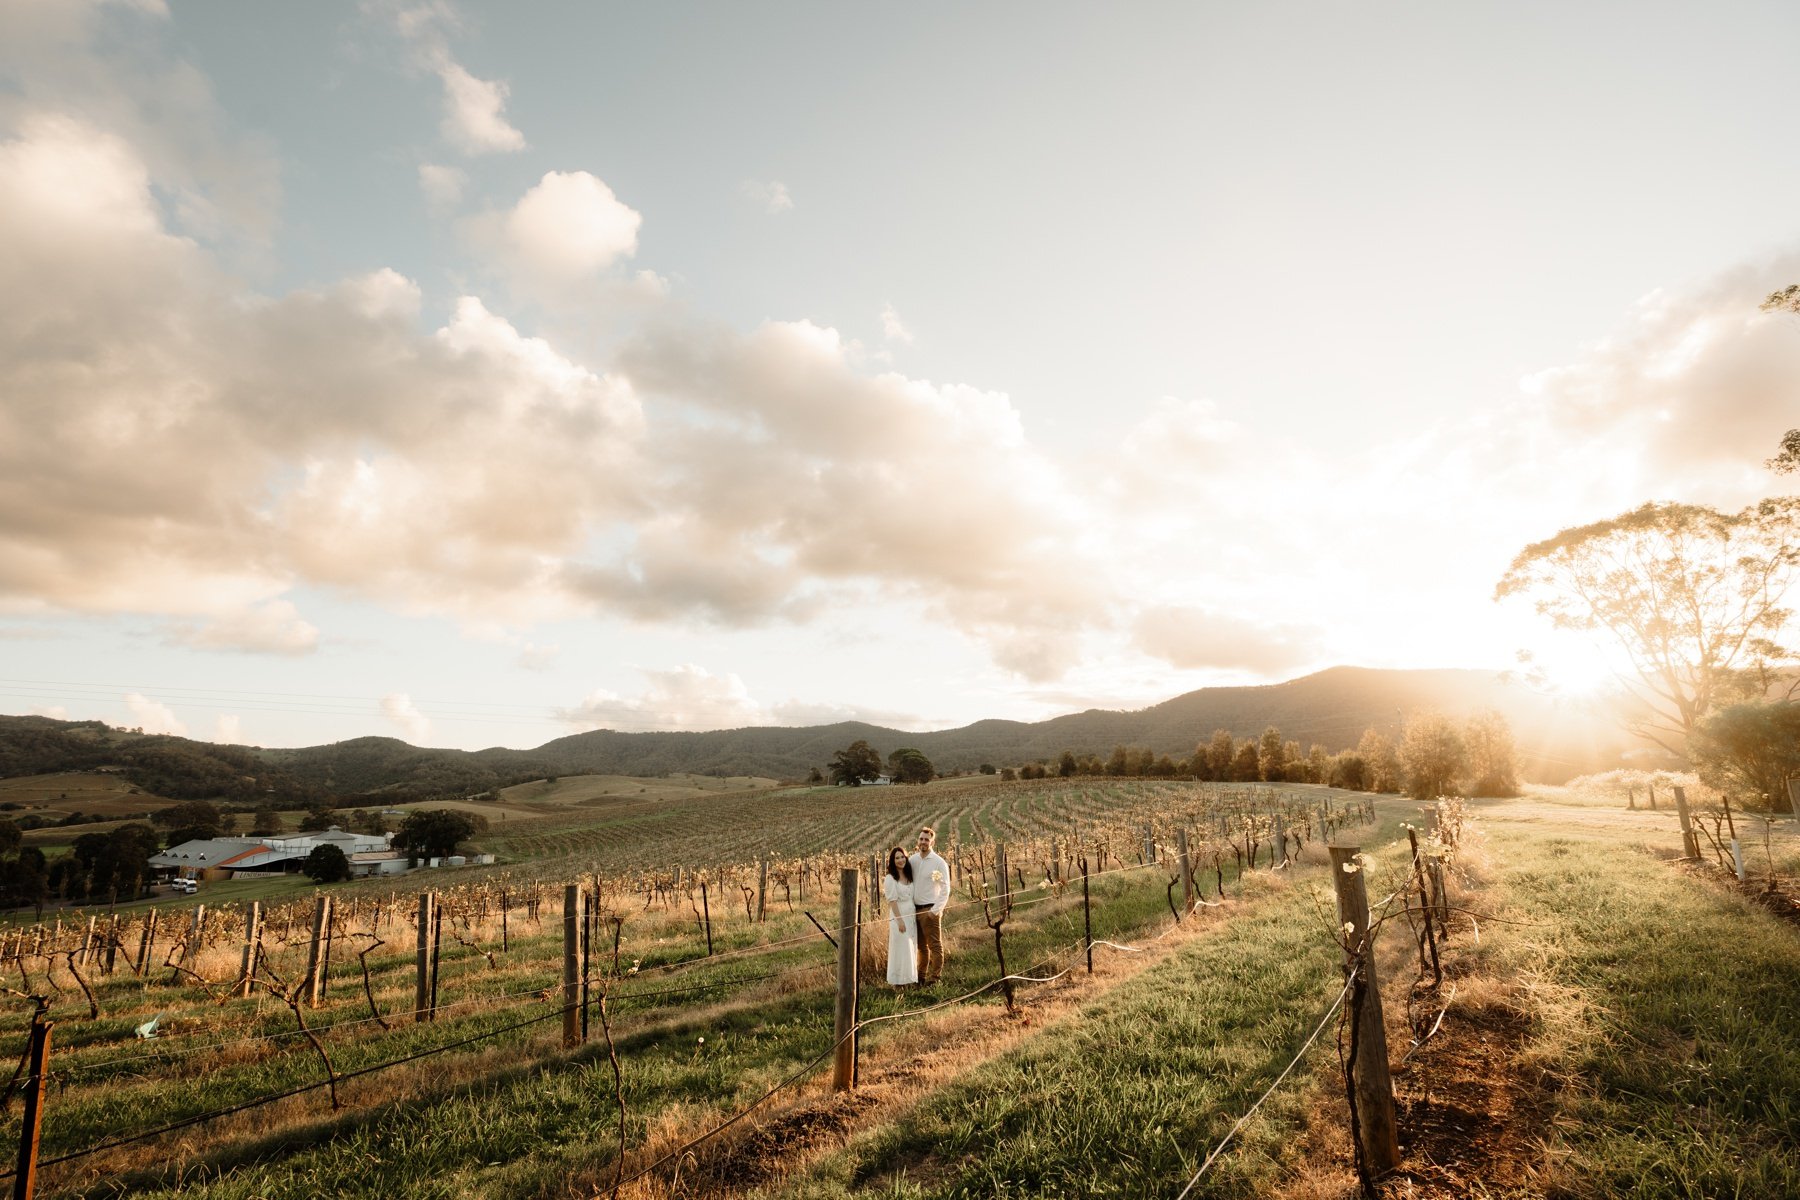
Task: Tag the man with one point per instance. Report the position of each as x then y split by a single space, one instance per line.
931 891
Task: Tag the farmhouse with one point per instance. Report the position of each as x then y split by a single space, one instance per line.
231 857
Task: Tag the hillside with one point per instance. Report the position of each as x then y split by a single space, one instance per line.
1332 708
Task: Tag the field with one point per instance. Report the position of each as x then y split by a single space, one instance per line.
1614 1022
89 793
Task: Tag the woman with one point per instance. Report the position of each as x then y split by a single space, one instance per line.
903 929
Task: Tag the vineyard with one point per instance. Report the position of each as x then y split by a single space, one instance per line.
194 1041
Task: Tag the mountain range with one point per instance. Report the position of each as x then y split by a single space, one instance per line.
1557 738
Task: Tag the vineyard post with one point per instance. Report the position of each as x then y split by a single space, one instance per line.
146 940
422 994
1690 845
843 1067
1652 796
1187 870
1630 799
25 1176
1149 843
112 942
315 954
190 950
87 940
1437 971
252 939
1369 1068
762 890
571 964
706 916
1737 851
1087 917
1281 854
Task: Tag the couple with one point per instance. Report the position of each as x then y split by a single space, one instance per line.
916 888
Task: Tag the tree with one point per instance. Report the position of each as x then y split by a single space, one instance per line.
1271 755
1318 764
1692 597
855 764
11 836
1493 759
1751 749
909 765
1350 771
815 776
267 820
989 769
192 814
436 832
1244 763
193 833
326 864
1432 756
317 820
1117 763
1219 753
1381 763
1066 765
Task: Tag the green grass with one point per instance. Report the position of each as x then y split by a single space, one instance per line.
1683 1051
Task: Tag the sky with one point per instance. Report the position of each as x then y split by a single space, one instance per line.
477 374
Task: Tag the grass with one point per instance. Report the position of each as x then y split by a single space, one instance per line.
1675 1039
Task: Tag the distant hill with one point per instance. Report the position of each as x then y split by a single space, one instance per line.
1331 708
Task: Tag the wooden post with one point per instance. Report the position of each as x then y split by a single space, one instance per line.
1690 845
762 890
843 1067
1437 970
87 940
1149 843
252 942
315 954
571 964
146 940
1087 917
25 1176
706 917
1281 854
422 996
1187 870
1001 869
1630 799
1374 1086
112 942
190 953
1652 790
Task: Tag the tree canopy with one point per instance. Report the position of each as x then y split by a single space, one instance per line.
1751 749
856 764
326 864
909 765
436 832
1694 598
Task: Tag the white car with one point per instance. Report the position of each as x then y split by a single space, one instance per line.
186 887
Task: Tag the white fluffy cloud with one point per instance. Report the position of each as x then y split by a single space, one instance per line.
893 328
442 186
274 627
474 113
414 725
769 195
689 697
566 230
153 716
228 729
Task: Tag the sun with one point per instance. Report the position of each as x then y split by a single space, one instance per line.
1570 666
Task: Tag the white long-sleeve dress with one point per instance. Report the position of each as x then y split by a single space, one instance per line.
903 934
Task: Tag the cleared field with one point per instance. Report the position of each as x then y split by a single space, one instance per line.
584 789
92 793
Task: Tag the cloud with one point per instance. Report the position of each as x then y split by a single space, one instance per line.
474 119
565 231
1696 383
153 716
892 328
228 729
691 698
771 196
172 445
100 63
442 186
56 712
413 724
534 657
274 627
686 697
1194 638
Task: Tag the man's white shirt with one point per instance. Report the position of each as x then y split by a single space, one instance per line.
927 888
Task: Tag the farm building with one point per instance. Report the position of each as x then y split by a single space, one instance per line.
230 857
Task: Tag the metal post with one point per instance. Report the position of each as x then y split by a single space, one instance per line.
422 998
571 964
1087 917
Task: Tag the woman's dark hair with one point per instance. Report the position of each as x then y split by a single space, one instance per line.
905 871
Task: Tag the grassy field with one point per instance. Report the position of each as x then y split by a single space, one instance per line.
1631 1023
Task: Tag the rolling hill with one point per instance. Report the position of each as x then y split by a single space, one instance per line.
1557 740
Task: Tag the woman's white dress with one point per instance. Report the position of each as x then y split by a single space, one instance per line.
903 936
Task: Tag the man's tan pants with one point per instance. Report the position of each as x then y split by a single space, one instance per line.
931 946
